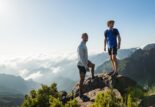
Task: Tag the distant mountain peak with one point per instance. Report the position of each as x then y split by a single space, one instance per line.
149 46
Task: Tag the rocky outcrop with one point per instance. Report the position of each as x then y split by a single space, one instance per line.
148 101
92 95
104 80
101 83
122 83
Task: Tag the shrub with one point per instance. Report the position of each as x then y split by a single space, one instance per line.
108 99
46 96
133 95
54 102
72 103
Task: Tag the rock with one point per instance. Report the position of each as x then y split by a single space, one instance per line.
82 103
90 84
123 83
101 83
148 101
92 95
117 94
102 80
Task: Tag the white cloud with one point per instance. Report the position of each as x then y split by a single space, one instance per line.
56 70
23 73
34 76
41 68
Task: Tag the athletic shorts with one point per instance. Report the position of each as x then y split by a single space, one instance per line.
112 51
82 69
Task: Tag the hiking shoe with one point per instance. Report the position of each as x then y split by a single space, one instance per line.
114 74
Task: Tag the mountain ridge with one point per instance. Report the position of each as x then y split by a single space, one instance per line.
13 89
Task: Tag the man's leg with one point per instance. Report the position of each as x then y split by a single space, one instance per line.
110 51
81 94
82 77
92 66
115 62
82 72
114 58
112 62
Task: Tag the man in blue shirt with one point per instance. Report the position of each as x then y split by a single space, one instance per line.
113 39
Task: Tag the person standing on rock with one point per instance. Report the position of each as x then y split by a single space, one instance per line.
113 39
83 63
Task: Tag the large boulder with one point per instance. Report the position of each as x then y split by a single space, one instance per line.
92 95
90 84
119 82
122 83
102 83
148 101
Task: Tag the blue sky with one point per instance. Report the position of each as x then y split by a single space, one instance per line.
30 27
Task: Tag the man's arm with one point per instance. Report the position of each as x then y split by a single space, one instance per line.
105 42
119 41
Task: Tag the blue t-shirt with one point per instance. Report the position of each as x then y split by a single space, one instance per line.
111 35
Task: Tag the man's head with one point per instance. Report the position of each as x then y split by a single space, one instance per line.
110 23
85 37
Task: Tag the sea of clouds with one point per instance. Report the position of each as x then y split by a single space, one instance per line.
46 68
42 68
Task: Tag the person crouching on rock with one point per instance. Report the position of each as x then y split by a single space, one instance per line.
83 63
111 36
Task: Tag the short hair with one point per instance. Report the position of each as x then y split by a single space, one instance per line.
84 34
110 21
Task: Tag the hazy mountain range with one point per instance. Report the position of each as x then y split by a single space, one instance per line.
13 89
16 84
45 69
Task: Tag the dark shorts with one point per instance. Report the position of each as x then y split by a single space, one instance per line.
112 51
82 69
